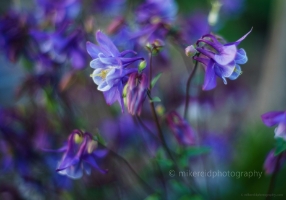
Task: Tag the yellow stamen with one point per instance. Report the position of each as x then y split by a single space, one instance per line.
102 74
91 146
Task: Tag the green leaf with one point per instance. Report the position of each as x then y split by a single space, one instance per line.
155 99
280 146
154 81
195 151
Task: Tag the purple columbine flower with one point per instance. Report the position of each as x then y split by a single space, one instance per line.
220 60
80 153
13 35
181 129
62 45
271 160
276 118
110 68
137 87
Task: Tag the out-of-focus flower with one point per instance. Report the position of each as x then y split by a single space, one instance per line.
80 153
110 72
276 118
271 161
181 129
58 11
155 18
137 87
13 35
110 7
220 60
195 26
61 45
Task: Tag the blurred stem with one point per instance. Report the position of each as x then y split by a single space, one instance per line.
150 189
273 178
188 89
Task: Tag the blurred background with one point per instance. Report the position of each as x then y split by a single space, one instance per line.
45 94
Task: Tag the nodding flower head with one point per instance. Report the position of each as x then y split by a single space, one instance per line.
276 118
181 129
81 153
110 72
220 60
137 87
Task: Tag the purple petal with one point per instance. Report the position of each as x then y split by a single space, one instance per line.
273 118
280 131
241 57
103 86
92 49
106 44
236 73
210 78
239 41
96 63
226 55
111 95
205 52
91 160
114 61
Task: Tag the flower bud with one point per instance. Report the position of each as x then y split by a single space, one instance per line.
136 92
190 51
181 129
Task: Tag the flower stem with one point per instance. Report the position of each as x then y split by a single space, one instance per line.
188 89
273 178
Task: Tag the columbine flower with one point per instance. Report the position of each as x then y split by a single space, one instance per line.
271 160
110 72
181 129
276 118
62 44
220 60
80 153
137 87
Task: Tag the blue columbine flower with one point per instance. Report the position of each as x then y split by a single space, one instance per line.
110 68
220 60
276 118
80 153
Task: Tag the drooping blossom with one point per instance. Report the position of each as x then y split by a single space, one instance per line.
271 162
181 129
276 118
110 68
13 35
220 60
81 153
137 87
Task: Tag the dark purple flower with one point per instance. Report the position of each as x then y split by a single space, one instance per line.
181 129
137 87
219 60
58 11
271 160
13 35
80 153
111 71
276 118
